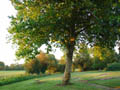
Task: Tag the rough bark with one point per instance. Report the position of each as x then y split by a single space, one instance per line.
68 67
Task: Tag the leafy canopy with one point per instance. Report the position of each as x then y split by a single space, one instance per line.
63 23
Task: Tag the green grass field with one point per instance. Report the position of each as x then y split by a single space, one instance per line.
10 73
80 80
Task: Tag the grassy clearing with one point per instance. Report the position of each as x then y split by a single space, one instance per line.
49 82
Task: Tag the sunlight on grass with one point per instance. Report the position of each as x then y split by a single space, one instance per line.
50 82
51 79
108 75
87 76
11 73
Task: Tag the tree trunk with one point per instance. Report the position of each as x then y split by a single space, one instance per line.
68 67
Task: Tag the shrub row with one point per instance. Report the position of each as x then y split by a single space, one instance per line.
18 78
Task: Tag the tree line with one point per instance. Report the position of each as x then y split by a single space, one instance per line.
85 58
11 67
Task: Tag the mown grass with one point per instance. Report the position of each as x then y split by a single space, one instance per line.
90 75
47 83
114 82
50 82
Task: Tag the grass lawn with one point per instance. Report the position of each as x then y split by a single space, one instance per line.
10 73
49 82
115 82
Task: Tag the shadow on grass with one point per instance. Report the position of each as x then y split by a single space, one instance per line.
39 82
64 84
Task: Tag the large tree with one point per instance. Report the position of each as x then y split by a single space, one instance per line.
65 24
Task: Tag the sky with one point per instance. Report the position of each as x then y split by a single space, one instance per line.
7 51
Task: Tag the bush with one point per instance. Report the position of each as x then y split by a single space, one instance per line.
40 63
51 69
98 64
113 67
33 66
60 68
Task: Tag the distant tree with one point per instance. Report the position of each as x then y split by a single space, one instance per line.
52 67
15 67
7 67
46 58
60 68
41 63
82 58
64 23
2 65
113 67
42 57
61 64
101 57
